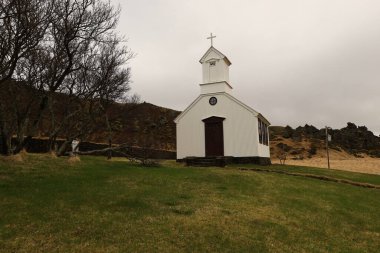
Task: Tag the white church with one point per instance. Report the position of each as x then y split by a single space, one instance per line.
218 125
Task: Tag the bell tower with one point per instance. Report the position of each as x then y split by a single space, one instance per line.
215 68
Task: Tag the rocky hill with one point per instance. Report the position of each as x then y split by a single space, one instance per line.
132 123
144 125
308 141
149 125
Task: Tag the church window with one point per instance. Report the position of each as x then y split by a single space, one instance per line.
213 63
263 133
213 101
260 133
266 134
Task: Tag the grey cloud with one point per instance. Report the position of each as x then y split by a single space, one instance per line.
297 62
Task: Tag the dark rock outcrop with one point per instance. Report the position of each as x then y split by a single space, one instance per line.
352 139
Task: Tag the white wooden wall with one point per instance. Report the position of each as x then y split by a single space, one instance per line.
217 73
240 129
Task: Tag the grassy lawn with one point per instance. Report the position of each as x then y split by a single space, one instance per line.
49 205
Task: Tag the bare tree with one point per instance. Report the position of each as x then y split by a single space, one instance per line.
112 80
23 26
102 80
77 28
282 155
42 45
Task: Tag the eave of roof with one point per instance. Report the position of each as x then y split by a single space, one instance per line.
229 85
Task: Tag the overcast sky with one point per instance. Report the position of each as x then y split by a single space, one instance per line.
295 61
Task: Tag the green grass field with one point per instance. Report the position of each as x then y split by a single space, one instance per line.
49 205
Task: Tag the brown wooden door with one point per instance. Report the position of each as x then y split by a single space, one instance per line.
214 136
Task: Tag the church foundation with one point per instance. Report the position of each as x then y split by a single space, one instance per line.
222 161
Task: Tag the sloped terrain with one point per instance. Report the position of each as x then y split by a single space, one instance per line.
94 205
308 142
144 125
151 126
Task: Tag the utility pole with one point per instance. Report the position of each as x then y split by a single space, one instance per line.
327 147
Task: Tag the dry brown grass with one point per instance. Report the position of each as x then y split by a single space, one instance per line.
18 158
53 155
339 161
13 158
73 159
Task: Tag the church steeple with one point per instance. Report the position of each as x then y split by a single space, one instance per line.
215 67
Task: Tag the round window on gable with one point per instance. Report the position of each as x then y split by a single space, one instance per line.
213 101
212 63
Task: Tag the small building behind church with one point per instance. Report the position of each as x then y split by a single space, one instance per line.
219 125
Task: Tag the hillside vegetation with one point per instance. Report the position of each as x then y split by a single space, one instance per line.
144 125
148 125
308 141
50 205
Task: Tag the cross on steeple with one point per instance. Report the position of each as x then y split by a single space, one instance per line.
212 39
